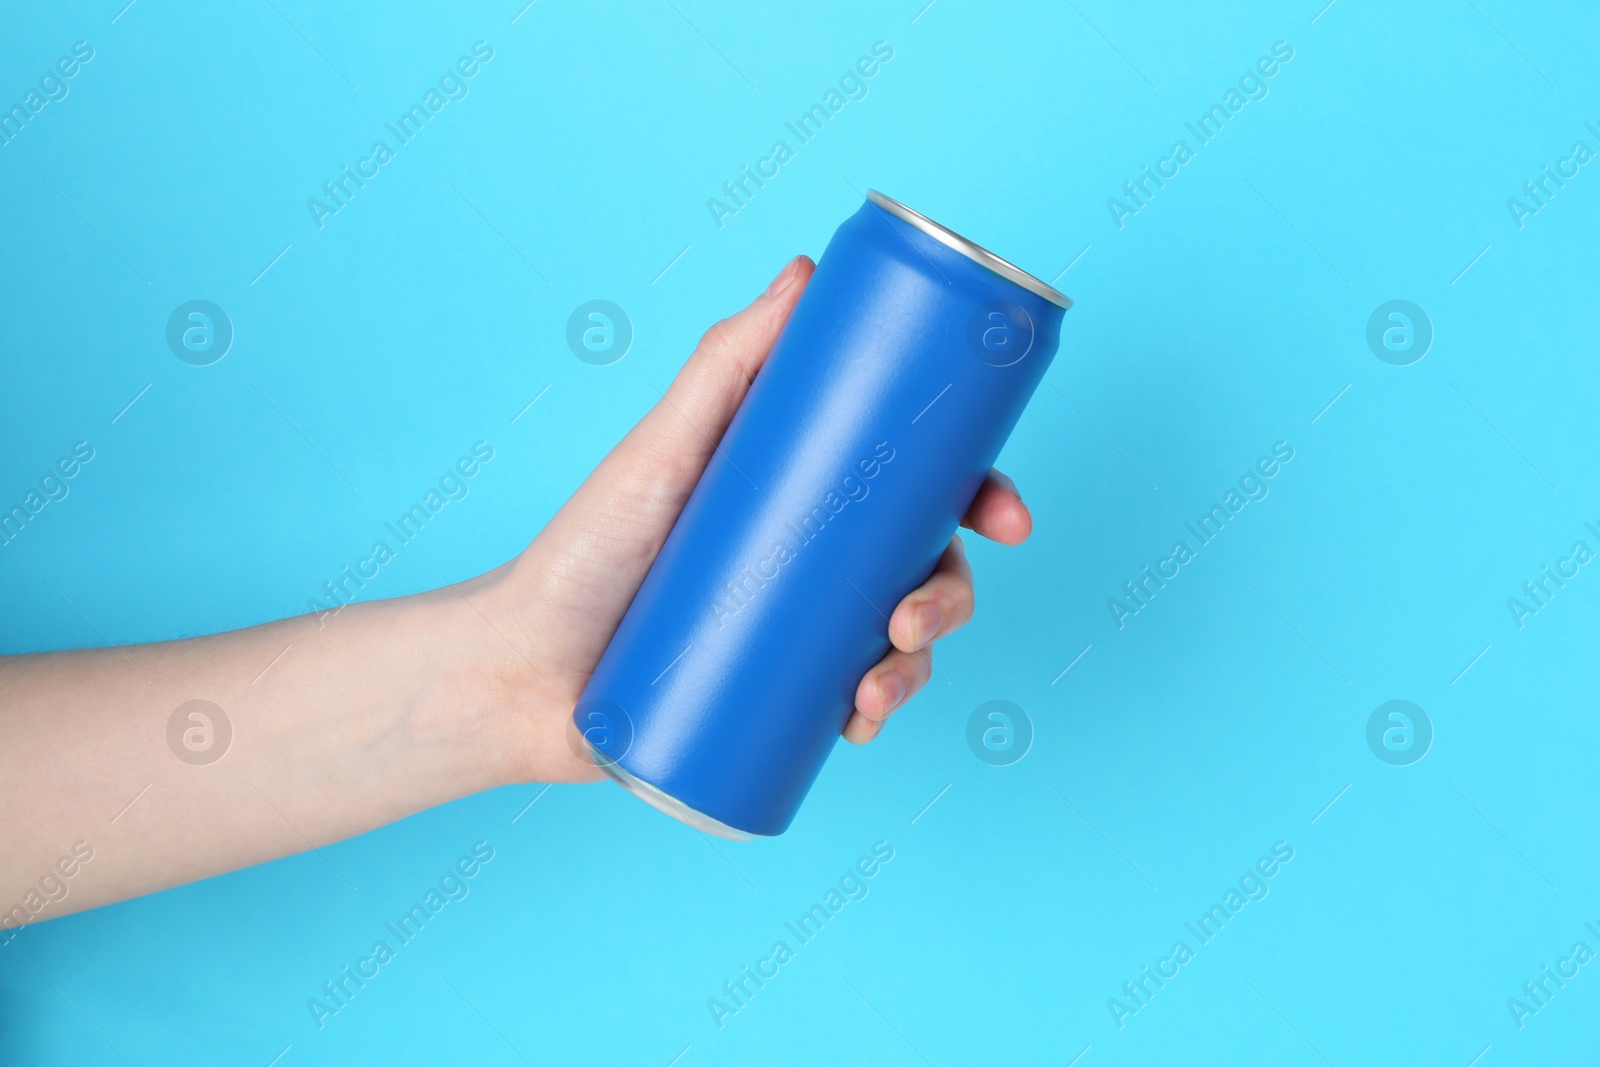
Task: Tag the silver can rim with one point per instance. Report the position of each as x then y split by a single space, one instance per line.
971 249
663 801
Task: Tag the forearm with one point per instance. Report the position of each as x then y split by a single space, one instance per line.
389 708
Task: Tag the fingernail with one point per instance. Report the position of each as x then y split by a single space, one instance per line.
929 619
785 276
892 689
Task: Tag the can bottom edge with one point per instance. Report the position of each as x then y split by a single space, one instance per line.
664 803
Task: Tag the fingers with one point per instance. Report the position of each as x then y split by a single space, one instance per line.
859 730
895 679
998 513
939 606
944 603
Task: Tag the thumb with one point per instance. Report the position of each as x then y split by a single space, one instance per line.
683 429
638 490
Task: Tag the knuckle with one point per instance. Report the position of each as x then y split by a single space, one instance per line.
719 340
900 627
966 603
957 601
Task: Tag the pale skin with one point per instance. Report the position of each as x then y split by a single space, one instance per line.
394 706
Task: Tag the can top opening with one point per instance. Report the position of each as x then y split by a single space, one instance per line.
975 252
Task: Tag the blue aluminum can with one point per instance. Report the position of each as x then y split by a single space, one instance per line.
844 473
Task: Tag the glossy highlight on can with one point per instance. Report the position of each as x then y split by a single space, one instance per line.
842 477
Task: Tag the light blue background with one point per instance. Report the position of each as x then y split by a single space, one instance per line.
1224 317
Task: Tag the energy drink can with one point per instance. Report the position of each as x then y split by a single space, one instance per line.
833 493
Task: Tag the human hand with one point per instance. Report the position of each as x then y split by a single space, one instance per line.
560 601
397 705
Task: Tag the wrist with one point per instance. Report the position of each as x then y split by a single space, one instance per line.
514 705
